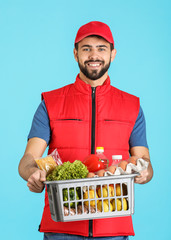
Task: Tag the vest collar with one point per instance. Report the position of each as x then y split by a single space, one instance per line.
85 88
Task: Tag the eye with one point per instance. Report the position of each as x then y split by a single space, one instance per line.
101 49
86 49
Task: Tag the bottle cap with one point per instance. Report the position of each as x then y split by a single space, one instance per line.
115 157
99 149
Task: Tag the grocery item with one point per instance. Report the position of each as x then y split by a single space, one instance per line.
111 190
93 163
47 164
68 171
125 205
119 204
133 160
116 159
123 165
118 190
90 195
96 162
105 191
86 209
90 175
111 169
67 212
100 173
100 154
129 166
71 196
113 204
105 206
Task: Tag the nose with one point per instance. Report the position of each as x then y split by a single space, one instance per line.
93 54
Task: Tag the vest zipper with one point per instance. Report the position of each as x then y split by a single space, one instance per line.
93 121
92 143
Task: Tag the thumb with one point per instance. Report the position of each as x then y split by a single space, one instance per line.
42 176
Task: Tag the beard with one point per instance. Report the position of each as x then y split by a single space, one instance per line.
93 74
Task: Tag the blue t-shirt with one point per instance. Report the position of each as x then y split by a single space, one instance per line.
41 128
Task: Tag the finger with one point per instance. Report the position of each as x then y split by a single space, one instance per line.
37 178
32 189
32 181
137 179
42 176
35 188
38 183
140 180
35 184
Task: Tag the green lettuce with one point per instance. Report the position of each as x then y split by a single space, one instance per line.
68 171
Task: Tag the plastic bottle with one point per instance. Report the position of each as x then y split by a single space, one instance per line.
100 154
116 159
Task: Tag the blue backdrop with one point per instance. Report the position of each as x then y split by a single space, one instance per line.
36 54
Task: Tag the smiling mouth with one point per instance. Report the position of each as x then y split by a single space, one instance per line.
93 65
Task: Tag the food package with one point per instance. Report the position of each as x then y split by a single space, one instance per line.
49 162
130 168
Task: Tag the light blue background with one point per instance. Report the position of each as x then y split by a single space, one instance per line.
36 54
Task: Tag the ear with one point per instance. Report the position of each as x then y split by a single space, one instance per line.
113 54
76 54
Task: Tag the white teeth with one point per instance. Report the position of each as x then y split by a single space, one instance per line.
94 64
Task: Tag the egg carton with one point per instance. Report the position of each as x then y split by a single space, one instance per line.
91 198
131 168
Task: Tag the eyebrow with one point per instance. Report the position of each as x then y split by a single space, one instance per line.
86 45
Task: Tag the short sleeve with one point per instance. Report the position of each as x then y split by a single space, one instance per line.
40 125
138 135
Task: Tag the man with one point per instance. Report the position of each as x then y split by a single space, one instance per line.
77 118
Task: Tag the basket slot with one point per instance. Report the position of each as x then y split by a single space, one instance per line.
124 189
79 208
104 206
118 204
113 203
117 189
125 204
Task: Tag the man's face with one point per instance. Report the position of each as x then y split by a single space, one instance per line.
94 56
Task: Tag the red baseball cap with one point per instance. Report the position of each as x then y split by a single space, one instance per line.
95 28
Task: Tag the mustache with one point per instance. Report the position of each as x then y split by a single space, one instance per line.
94 61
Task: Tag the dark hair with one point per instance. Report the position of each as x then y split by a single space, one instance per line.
111 44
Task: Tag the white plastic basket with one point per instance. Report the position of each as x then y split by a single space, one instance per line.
114 198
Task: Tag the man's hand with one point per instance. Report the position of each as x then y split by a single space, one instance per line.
28 169
147 174
35 181
142 178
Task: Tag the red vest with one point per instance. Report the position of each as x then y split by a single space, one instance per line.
80 122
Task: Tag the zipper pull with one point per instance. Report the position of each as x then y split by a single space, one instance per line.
93 90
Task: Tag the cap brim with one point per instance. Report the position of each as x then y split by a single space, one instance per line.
90 34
